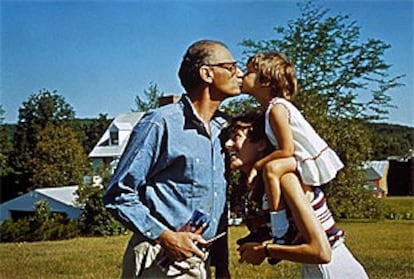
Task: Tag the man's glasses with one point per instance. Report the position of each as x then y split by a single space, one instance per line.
229 66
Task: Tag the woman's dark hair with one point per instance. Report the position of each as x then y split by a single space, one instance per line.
256 119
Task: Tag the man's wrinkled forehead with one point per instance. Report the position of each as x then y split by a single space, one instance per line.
220 54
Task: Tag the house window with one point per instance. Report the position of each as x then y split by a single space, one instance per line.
113 136
20 214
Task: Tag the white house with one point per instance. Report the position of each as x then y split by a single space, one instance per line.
113 142
60 200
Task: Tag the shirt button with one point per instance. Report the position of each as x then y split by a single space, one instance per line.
197 160
148 234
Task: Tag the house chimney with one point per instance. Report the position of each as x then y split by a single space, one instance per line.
170 99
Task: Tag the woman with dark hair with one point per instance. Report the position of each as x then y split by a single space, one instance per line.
319 244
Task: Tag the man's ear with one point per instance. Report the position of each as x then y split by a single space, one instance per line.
206 74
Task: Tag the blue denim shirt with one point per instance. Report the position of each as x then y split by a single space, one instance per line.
170 168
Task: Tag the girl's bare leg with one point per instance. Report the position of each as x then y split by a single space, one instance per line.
272 172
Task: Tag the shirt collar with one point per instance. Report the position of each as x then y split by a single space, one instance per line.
221 118
217 122
189 110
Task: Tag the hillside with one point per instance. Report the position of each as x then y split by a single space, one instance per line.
391 140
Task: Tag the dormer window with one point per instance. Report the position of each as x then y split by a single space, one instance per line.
114 136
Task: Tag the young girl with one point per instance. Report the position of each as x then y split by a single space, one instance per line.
271 79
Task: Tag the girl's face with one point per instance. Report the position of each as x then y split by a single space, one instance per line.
242 151
251 84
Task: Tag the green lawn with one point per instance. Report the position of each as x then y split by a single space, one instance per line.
385 248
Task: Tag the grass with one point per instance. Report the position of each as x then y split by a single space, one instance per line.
385 248
75 258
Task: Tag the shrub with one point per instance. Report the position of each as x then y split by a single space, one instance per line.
95 219
11 231
43 225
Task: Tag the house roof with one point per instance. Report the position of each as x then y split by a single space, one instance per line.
375 170
123 122
123 126
129 117
60 199
66 195
106 151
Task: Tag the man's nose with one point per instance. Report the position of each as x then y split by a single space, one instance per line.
239 73
229 144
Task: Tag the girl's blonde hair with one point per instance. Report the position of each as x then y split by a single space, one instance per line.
275 69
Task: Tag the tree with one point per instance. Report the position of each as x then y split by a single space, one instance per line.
91 130
6 148
40 110
334 70
152 95
395 140
241 105
58 158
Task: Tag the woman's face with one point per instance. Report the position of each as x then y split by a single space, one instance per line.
242 151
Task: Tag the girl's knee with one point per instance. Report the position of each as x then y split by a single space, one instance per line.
280 167
273 167
273 170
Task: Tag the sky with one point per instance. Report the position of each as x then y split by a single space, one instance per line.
99 55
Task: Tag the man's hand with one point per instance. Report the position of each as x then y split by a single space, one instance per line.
181 245
252 253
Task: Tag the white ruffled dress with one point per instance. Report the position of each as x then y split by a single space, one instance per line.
317 163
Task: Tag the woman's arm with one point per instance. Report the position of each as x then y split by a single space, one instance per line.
315 249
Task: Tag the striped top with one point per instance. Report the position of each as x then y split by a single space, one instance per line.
324 215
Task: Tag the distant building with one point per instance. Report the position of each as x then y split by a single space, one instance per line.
60 199
170 99
112 144
376 173
401 177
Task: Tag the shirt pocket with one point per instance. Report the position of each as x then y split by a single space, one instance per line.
201 177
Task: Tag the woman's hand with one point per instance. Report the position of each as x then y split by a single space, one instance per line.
251 176
252 253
